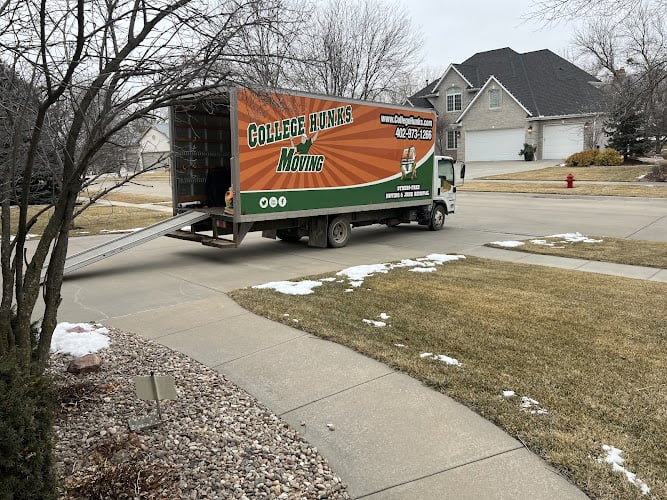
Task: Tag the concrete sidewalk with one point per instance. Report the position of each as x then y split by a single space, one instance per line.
386 435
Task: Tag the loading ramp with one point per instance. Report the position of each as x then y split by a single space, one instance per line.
131 240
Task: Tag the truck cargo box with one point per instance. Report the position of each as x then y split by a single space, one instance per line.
288 153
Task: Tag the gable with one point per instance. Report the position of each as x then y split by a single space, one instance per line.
478 115
508 100
154 139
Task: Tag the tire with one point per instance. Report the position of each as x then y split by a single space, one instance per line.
338 232
288 236
437 218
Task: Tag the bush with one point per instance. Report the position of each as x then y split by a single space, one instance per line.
609 157
26 426
584 158
590 157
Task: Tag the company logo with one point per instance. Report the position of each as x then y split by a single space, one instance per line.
297 157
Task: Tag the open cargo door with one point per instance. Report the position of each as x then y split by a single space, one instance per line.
128 241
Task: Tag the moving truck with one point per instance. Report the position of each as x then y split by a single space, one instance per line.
291 164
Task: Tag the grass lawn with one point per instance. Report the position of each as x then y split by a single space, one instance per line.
590 348
617 250
578 189
99 219
135 198
593 173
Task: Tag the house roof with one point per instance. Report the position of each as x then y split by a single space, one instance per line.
161 127
541 81
419 100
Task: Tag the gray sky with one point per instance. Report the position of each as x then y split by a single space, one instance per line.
454 31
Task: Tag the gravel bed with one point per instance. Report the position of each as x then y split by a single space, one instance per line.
216 441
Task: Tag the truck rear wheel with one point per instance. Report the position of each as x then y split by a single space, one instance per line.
437 218
290 236
338 233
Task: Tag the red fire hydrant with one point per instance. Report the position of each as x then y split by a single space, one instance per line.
570 180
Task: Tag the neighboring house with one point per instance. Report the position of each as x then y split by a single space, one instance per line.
495 101
153 148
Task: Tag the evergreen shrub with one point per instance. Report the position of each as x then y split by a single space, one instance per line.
26 428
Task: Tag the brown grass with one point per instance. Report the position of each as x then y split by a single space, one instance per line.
134 198
615 174
592 349
98 219
578 189
616 250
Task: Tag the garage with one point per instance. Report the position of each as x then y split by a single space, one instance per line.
494 145
560 141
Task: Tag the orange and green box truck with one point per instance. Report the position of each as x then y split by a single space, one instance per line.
296 165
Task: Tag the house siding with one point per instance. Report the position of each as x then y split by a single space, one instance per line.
480 117
451 79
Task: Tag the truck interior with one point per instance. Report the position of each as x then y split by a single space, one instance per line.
201 168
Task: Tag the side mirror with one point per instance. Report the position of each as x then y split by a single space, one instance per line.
463 170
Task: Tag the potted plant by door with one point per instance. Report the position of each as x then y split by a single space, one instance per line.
528 152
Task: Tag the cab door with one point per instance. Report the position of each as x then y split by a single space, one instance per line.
445 182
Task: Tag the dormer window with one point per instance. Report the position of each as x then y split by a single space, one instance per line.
494 99
453 99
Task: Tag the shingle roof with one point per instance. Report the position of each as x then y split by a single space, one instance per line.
419 99
543 82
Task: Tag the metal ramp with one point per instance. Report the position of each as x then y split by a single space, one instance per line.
128 241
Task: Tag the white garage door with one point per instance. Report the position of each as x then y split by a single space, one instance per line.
560 141
494 145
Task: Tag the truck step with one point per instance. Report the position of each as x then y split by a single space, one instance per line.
218 243
185 235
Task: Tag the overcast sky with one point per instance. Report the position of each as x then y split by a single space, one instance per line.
454 31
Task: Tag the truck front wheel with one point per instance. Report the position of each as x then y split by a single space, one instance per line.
338 233
437 218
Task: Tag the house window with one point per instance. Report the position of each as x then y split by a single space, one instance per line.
454 99
494 98
452 140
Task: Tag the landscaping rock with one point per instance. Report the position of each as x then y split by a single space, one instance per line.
85 364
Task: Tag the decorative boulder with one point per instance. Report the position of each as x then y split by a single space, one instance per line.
85 364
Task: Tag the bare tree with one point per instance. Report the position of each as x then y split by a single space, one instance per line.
359 50
559 10
631 54
93 67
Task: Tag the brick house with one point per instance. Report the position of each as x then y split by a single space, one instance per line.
495 101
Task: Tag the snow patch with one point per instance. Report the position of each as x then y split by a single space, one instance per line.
292 287
379 324
357 274
508 394
615 459
532 406
79 339
574 238
508 244
441 357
